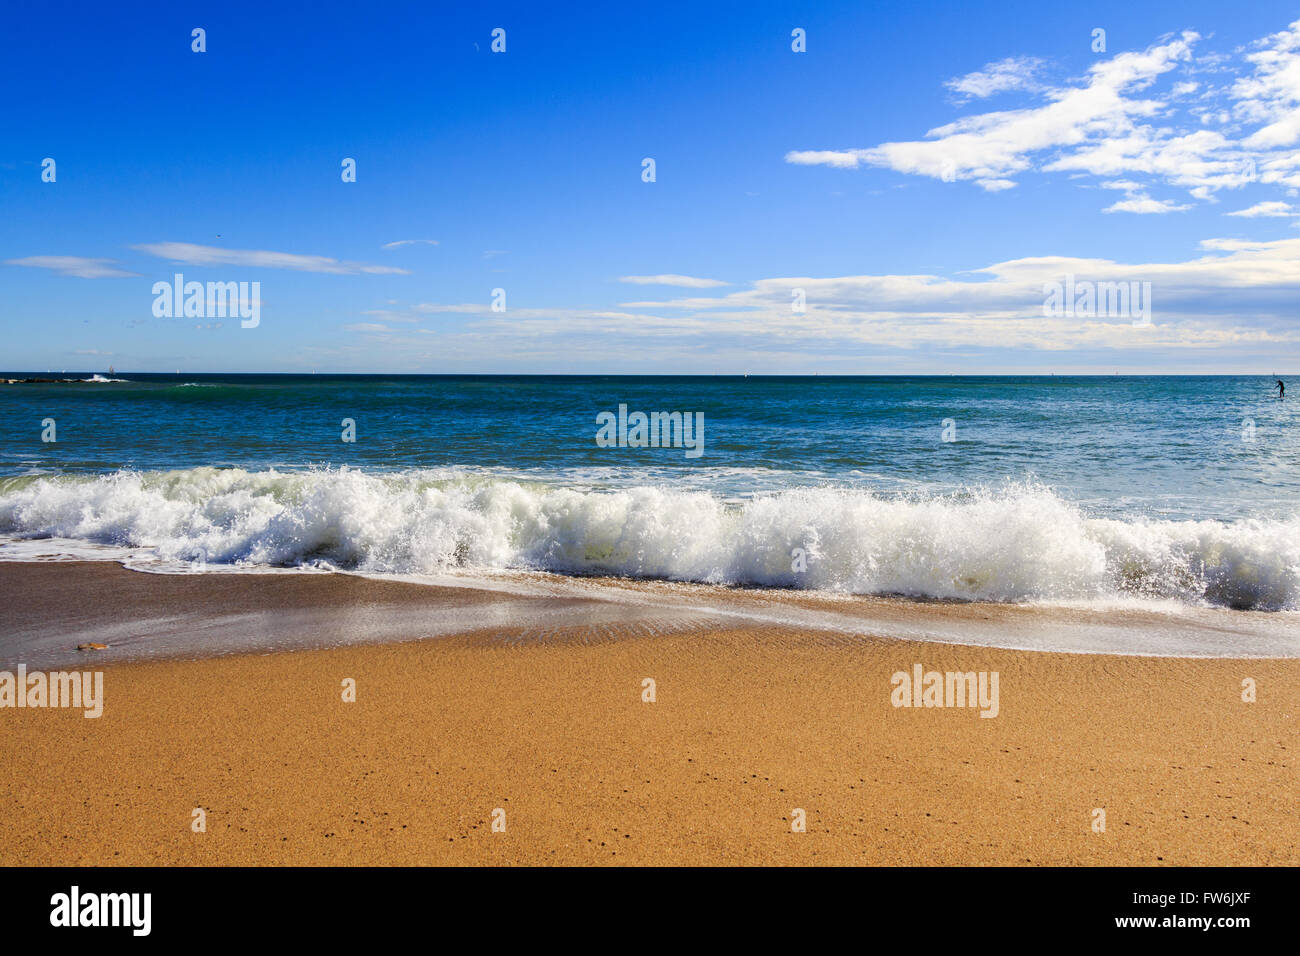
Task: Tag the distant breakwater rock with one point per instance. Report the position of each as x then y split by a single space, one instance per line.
94 380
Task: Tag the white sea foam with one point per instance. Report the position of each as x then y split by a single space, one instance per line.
1017 543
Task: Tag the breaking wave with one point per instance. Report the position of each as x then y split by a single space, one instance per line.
1016 543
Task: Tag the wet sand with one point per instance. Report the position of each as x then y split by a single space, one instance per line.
533 704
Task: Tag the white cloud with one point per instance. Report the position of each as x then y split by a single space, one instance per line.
1272 94
689 282
1145 205
1013 73
409 242
839 158
1236 299
78 266
194 255
1266 209
992 147
1120 120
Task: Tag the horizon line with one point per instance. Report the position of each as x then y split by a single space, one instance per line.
317 373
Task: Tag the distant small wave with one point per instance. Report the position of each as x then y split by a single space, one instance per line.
1015 543
101 380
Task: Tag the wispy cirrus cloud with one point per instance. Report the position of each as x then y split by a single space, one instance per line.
409 242
1265 210
195 255
79 266
1121 119
686 282
989 148
1271 95
1233 301
1013 73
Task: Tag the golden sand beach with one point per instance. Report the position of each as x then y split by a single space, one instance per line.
549 733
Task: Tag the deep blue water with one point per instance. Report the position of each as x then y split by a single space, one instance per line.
1169 447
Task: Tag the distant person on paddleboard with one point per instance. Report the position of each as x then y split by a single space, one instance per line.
1281 389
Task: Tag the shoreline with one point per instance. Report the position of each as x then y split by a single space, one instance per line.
544 720
144 615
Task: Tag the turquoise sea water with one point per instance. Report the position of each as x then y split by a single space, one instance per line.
1050 487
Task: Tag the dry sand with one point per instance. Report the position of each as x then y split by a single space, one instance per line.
750 722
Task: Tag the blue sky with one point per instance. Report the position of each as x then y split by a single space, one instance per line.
920 172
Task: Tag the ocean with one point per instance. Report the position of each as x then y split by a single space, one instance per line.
1010 489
